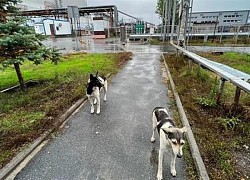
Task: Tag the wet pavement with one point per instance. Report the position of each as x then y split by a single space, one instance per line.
84 43
115 144
219 49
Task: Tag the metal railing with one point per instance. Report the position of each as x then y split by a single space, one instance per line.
238 78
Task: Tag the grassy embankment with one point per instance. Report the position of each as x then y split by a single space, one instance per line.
221 131
25 115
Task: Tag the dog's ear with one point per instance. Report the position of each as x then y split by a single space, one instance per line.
91 76
184 129
96 73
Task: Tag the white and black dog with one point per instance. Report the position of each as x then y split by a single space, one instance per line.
170 136
94 86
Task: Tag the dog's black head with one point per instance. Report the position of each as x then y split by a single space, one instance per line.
92 83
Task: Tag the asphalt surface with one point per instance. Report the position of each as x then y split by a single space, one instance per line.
219 49
116 143
84 43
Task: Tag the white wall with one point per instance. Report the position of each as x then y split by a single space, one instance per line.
39 29
60 27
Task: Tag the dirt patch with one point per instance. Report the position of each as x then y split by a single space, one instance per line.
222 131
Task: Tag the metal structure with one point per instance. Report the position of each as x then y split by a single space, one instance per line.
63 12
183 19
169 10
238 78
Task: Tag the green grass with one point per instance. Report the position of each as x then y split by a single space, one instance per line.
80 63
20 122
240 61
25 115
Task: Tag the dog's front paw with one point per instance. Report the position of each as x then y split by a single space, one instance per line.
173 172
98 112
152 140
92 110
159 177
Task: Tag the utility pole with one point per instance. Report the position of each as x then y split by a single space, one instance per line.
162 22
173 21
189 23
165 20
183 12
169 15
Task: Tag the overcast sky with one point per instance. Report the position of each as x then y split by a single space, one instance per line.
146 8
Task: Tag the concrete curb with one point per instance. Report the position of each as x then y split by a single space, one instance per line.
200 167
20 157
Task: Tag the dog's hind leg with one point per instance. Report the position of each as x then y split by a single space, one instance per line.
154 121
105 90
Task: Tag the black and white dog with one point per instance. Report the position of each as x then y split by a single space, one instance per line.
170 136
94 86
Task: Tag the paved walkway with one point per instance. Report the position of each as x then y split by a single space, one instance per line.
116 144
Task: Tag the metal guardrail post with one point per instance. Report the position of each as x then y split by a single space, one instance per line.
221 87
237 95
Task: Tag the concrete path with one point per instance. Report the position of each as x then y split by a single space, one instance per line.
116 144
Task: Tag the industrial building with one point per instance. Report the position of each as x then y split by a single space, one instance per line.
51 17
28 5
220 21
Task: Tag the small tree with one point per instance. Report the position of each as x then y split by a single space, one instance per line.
160 9
6 7
18 43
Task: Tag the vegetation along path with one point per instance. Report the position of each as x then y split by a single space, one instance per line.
115 144
24 116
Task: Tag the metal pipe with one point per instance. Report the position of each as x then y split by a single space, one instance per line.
189 24
173 20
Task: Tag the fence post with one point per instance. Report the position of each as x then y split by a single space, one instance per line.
237 96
